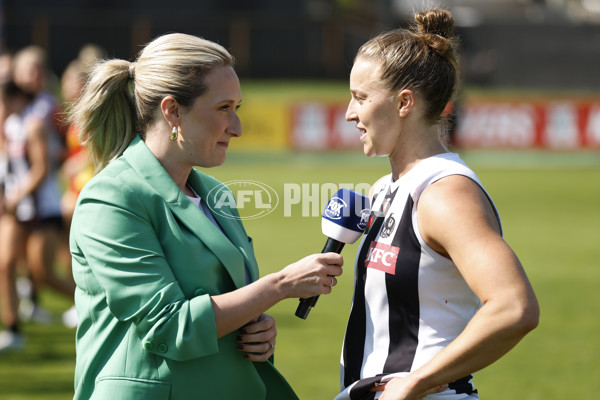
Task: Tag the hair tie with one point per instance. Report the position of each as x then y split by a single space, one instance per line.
436 32
132 70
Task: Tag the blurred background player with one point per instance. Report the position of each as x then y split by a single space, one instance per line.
5 76
49 233
76 170
24 143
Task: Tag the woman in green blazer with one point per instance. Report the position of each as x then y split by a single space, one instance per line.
168 297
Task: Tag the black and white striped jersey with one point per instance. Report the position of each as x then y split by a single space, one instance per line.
409 301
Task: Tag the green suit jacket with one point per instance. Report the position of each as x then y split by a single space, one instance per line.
146 261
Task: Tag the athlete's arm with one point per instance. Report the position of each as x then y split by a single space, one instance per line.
457 220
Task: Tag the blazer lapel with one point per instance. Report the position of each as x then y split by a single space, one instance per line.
228 219
148 167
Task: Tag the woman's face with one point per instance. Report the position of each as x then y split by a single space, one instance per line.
28 73
374 109
211 122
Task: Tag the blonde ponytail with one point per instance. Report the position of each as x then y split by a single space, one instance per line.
105 112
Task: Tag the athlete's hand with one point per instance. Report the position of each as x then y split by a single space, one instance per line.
400 389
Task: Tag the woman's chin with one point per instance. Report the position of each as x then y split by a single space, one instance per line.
371 152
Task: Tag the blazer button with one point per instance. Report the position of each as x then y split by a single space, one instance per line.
163 348
199 292
148 345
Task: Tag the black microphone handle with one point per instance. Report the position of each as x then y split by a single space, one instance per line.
331 246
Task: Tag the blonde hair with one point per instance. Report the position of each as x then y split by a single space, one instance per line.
120 98
90 54
423 58
31 54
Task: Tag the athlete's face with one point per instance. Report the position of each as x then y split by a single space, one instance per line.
28 73
374 109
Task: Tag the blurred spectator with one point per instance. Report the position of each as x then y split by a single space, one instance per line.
5 67
5 76
29 72
26 152
76 169
90 54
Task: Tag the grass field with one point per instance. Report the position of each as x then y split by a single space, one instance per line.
550 207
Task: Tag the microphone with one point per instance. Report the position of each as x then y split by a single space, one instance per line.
344 220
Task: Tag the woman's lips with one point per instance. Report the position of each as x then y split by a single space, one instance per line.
363 134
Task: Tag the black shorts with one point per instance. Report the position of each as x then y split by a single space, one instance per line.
50 222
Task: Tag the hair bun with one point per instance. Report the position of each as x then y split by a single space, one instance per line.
436 22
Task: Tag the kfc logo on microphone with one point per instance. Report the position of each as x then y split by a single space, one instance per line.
382 257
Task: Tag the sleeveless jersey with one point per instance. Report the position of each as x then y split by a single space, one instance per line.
17 166
409 301
48 195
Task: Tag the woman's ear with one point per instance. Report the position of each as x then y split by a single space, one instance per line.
406 101
170 110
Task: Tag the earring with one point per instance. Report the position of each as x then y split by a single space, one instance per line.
174 133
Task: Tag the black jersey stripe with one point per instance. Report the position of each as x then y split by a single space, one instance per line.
353 350
403 296
362 389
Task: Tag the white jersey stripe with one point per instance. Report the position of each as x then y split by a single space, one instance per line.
377 339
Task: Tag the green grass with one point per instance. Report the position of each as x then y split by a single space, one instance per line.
550 208
44 370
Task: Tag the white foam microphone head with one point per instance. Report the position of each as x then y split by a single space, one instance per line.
346 216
